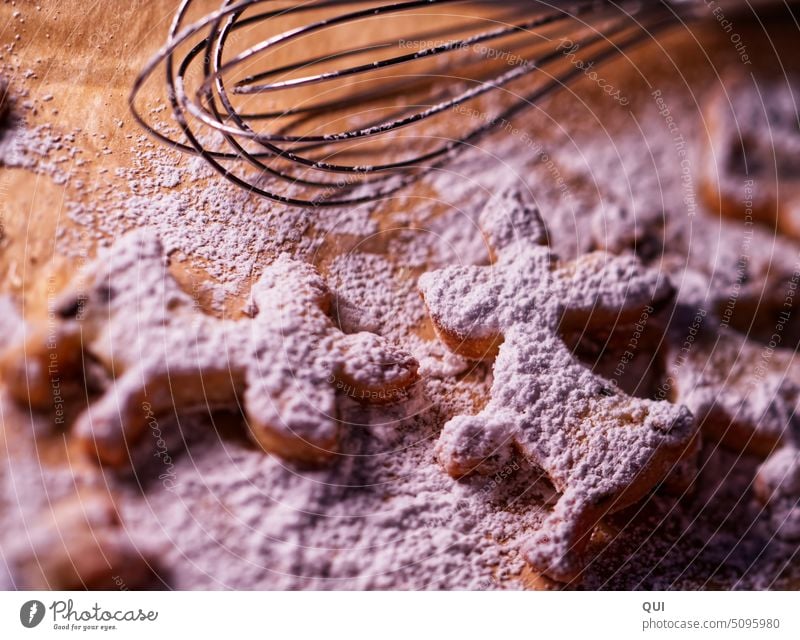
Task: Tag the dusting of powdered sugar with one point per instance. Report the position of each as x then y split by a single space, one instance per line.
591 441
285 363
384 516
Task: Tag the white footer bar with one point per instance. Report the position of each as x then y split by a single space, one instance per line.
386 616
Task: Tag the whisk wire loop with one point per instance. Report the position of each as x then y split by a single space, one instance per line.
298 129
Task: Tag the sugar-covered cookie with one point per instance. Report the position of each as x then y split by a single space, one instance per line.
602 449
158 354
752 161
79 543
743 394
777 486
728 349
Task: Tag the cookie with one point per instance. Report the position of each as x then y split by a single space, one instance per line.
601 449
777 487
725 252
159 354
79 544
743 391
743 394
616 229
741 387
753 152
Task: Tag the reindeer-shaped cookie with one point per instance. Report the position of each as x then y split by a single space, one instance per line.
601 449
160 354
743 395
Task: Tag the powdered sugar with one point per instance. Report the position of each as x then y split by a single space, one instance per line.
595 444
754 142
385 515
164 355
778 487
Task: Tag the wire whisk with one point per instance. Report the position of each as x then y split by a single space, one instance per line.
338 102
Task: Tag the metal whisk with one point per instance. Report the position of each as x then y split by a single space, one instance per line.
341 124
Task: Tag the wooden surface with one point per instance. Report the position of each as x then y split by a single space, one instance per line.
86 56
